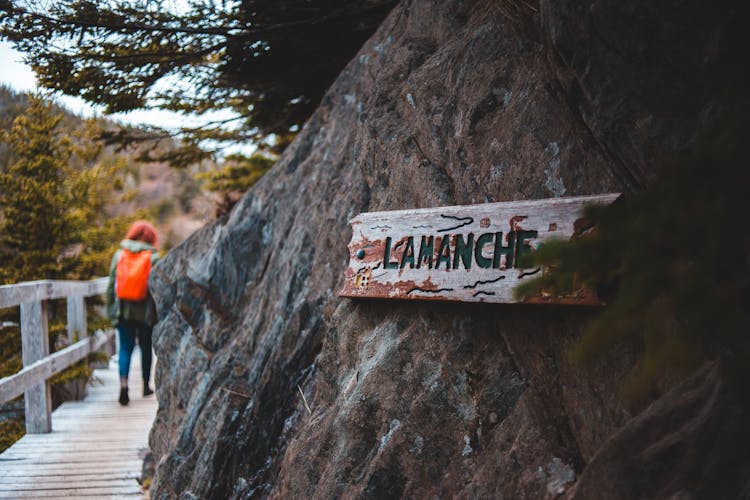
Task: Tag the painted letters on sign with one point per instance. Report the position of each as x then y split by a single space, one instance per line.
463 253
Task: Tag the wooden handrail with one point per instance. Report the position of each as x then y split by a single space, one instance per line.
32 291
38 364
18 383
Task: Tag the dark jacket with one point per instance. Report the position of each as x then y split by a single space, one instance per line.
143 311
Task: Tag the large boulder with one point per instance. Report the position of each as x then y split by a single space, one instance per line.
269 384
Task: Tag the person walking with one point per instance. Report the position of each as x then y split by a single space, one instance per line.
129 303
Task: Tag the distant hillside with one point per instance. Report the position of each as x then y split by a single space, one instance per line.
172 198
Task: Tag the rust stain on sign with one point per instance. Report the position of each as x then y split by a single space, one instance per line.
462 253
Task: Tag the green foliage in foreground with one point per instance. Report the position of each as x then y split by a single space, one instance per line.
35 227
53 198
672 264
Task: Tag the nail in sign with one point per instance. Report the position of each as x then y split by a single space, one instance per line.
464 253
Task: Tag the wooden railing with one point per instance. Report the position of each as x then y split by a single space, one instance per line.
38 364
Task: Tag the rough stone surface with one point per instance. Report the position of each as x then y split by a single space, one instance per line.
692 443
450 102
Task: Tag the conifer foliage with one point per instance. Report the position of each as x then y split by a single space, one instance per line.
54 194
269 62
672 265
35 197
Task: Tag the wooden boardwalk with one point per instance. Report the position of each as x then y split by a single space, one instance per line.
95 448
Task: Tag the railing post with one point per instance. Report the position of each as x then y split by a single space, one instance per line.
35 346
76 318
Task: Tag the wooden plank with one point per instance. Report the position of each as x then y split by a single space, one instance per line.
33 453
75 453
76 492
95 455
114 424
126 431
68 447
33 459
76 318
116 462
105 442
32 291
75 472
90 459
63 496
80 477
30 376
461 253
34 347
97 494
63 482
131 467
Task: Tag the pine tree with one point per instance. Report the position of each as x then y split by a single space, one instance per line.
34 195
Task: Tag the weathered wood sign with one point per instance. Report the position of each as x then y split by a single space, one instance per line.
462 253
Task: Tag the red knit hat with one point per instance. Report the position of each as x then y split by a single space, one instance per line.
142 231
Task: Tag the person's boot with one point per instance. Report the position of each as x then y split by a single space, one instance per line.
146 389
124 399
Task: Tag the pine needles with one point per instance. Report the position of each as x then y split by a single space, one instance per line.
672 265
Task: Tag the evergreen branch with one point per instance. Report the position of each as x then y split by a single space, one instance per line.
130 27
118 26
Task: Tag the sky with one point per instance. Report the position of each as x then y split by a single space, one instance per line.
19 76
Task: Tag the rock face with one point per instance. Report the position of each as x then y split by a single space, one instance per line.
450 102
692 443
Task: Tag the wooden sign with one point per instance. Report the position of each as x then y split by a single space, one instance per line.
462 253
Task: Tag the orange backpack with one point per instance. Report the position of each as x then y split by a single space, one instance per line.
131 278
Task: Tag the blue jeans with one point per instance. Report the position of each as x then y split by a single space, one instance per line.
128 333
